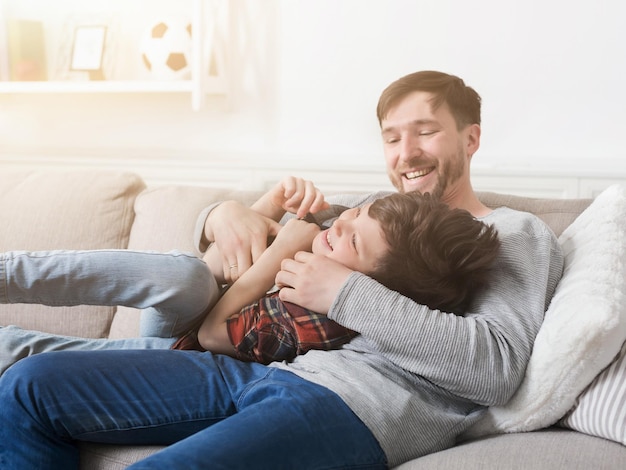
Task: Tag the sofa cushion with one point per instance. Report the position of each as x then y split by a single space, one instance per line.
584 326
46 210
540 450
601 409
112 457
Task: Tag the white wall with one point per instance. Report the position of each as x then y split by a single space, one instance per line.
307 75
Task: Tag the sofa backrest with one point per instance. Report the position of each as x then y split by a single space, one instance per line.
48 210
556 213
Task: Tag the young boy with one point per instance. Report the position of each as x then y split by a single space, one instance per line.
411 243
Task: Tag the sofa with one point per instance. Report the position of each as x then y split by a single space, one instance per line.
89 209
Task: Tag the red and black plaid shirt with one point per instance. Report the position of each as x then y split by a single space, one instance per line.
272 330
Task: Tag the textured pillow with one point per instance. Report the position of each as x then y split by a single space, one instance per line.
73 210
584 326
601 409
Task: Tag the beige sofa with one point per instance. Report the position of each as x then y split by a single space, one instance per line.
90 209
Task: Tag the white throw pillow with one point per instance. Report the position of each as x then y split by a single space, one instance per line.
584 326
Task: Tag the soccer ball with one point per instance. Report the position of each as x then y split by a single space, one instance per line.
166 50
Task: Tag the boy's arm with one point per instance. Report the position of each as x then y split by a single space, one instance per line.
253 284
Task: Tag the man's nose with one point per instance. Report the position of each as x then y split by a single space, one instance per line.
409 148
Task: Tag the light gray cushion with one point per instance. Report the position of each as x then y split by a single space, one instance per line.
539 450
47 210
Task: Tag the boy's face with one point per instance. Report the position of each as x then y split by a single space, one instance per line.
354 240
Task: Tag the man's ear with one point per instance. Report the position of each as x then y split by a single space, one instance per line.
472 139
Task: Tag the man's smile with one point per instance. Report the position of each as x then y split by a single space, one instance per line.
410 175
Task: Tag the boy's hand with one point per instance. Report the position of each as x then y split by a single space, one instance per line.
291 194
296 235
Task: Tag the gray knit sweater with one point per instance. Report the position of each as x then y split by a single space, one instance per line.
418 378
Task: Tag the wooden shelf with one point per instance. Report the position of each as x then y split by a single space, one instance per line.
200 85
112 86
212 85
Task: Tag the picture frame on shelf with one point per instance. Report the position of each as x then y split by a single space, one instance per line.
88 50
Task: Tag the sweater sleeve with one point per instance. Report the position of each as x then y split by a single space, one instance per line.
482 355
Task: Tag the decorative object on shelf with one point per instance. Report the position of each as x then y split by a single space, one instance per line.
88 50
87 29
166 50
27 51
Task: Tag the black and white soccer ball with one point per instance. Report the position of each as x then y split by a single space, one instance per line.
166 50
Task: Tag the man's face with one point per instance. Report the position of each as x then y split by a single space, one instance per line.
423 149
355 240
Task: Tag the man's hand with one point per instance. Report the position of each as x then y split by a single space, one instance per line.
311 281
241 236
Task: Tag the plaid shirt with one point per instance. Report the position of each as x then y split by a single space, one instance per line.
272 330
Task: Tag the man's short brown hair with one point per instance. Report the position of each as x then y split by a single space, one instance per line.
462 100
438 256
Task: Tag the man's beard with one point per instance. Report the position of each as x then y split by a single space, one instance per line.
447 174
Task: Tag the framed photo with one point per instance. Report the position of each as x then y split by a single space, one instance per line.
88 48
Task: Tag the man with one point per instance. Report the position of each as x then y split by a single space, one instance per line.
409 384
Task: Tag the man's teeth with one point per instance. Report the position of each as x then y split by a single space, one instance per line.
416 174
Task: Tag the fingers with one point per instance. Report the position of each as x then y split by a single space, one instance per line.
301 257
231 272
312 201
285 277
290 268
240 253
301 196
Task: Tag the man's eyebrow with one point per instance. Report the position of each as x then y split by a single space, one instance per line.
416 122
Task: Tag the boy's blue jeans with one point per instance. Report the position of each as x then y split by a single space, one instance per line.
174 291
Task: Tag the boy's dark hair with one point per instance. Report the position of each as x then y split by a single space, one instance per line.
438 256
462 100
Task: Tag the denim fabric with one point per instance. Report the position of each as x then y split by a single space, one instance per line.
17 343
174 290
213 411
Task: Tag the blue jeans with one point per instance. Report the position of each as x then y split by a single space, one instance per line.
212 411
174 291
